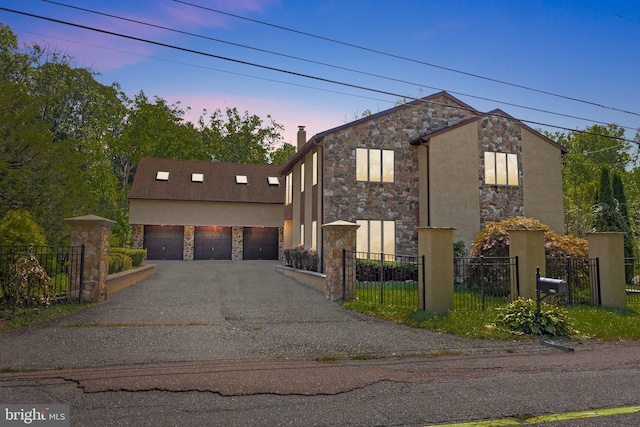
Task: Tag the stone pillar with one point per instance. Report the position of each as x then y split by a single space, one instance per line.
435 285
339 235
92 232
281 243
137 236
237 251
189 239
528 246
609 249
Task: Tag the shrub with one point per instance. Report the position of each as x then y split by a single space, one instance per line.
137 255
28 284
523 316
493 240
302 259
119 262
18 228
370 270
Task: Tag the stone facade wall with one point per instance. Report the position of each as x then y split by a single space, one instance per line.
237 243
137 236
498 202
189 239
349 200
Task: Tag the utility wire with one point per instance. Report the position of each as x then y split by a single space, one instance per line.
289 72
617 15
328 65
404 58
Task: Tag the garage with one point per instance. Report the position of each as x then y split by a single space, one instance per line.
260 243
212 242
164 242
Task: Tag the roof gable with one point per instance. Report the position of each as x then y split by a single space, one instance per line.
190 180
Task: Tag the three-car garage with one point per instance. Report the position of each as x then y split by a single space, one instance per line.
204 210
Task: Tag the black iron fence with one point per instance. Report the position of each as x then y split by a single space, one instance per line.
484 282
632 276
384 279
582 276
63 266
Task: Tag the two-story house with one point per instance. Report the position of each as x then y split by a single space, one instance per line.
433 162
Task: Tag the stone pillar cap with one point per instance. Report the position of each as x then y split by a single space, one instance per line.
89 220
341 223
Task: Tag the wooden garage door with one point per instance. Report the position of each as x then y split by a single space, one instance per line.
164 241
212 243
260 243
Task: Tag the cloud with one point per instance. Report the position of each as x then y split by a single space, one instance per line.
200 16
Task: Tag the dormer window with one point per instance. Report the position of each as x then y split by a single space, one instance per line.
197 177
241 179
273 180
162 176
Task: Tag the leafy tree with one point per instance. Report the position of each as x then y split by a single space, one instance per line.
239 138
18 228
587 153
606 214
35 173
282 155
152 129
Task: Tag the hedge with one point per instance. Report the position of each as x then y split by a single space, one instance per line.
119 262
137 255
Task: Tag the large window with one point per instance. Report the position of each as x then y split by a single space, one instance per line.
289 190
315 168
302 178
500 168
374 165
376 237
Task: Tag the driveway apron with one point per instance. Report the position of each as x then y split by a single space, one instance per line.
218 311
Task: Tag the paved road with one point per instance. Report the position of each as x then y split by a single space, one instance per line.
224 343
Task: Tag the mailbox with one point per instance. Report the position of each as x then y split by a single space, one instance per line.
547 286
551 286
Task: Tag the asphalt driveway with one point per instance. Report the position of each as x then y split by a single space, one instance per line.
219 311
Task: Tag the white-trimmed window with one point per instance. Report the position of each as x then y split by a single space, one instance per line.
302 178
302 234
375 237
289 190
375 165
501 169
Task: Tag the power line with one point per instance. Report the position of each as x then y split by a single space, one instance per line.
135 21
289 72
617 15
404 58
209 68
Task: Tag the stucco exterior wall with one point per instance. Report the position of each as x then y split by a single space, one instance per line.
159 212
542 181
453 192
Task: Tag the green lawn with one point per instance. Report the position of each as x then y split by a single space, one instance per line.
588 322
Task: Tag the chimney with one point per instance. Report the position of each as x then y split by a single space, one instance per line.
302 137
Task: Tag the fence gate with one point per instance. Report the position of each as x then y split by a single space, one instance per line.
582 276
383 279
